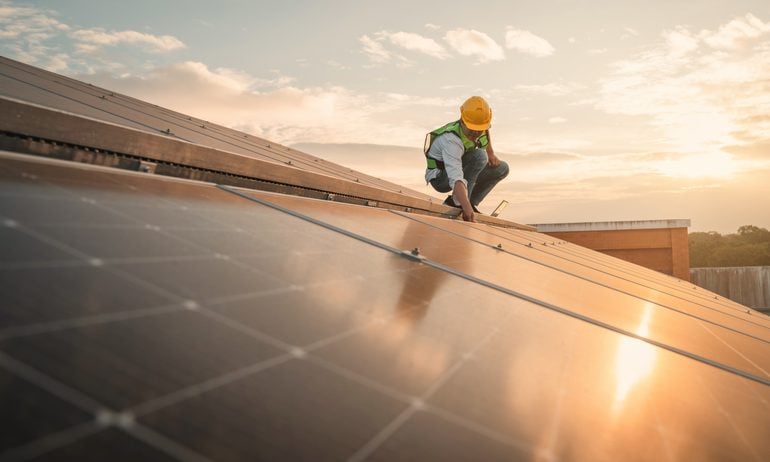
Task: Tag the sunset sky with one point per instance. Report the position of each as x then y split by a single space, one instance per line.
605 110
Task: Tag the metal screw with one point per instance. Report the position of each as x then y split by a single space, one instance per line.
416 251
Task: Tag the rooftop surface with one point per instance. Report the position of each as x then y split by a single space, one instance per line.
171 317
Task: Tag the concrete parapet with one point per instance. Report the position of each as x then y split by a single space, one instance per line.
661 245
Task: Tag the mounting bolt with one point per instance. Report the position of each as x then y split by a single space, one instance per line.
416 251
499 246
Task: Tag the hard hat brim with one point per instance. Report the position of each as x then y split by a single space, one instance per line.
477 127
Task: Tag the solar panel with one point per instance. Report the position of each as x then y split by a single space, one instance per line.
28 83
150 317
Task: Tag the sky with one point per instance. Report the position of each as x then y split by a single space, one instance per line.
605 110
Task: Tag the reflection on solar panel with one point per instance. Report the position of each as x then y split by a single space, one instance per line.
148 317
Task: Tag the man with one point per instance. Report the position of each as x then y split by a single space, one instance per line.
461 159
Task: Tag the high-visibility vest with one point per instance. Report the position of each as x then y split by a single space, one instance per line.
456 129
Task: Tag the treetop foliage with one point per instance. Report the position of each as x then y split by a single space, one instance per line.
750 246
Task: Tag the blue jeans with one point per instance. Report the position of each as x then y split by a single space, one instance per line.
480 176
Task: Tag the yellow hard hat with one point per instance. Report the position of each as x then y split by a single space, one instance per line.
476 113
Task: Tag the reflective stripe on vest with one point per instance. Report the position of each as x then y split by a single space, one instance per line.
456 129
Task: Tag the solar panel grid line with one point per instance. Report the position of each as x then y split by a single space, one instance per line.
601 284
237 142
416 405
483 430
506 290
102 415
169 446
198 389
10 266
649 275
8 333
419 404
49 384
738 352
292 353
51 442
736 428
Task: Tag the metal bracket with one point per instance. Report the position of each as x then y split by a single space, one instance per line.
499 208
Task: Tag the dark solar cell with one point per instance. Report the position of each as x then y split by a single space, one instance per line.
28 413
106 445
42 294
296 411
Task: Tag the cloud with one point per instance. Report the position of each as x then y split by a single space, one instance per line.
736 33
93 39
36 36
26 34
469 42
527 42
556 120
699 97
416 42
628 33
374 49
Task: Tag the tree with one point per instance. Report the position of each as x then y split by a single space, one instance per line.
750 246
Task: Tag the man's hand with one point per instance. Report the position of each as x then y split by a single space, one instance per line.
494 161
468 215
460 193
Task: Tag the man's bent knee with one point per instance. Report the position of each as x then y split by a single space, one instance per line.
502 169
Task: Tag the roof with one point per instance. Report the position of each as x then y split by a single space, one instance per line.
152 316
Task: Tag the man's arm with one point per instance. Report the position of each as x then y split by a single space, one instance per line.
494 161
460 194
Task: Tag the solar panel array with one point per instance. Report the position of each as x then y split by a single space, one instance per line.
37 86
153 318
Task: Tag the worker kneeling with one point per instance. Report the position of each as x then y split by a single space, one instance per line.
461 159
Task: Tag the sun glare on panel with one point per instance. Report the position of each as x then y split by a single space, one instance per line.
634 361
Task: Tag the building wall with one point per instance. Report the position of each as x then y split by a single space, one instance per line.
661 245
747 285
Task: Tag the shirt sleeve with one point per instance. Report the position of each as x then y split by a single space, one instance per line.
449 149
